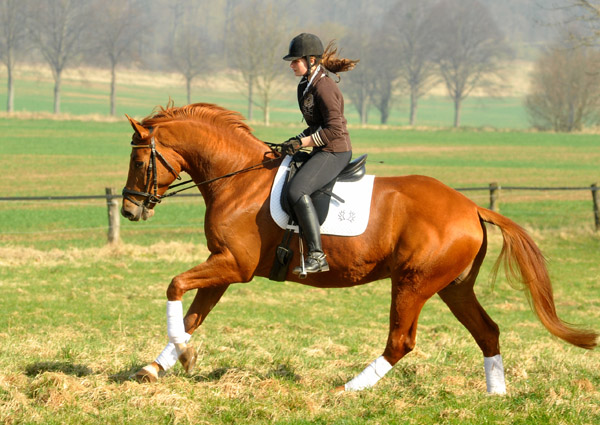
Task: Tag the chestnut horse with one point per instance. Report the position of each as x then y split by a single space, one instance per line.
426 237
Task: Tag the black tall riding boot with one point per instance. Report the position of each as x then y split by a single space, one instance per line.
309 223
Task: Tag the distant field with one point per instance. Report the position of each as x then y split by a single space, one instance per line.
46 157
87 92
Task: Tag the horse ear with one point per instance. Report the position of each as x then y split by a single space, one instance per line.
140 130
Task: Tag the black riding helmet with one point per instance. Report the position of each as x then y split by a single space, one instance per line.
304 45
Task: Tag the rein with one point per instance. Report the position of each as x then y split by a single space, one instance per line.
252 167
151 173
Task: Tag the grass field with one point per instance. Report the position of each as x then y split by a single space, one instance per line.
80 316
86 92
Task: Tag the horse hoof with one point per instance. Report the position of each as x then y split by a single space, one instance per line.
144 376
188 359
338 390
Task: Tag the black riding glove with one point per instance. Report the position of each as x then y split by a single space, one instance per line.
291 146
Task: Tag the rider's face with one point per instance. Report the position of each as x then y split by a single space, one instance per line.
299 67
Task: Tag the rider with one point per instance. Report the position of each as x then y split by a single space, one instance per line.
322 106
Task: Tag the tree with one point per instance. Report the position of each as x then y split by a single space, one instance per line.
360 82
190 50
469 48
565 88
117 26
13 32
56 27
256 50
382 66
410 41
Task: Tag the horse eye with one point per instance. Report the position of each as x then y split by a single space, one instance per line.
139 164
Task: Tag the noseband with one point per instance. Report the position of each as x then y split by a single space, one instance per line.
153 198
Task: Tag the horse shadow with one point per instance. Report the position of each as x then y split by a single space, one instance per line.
67 368
280 372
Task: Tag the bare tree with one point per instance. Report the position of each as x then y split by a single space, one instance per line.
411 44
565 88
256 50
190 55
13 32
117 27
56 27
583 23
382 65
190 50
469 48
360 84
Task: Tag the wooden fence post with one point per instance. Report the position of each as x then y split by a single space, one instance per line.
114 218
494 188
596 198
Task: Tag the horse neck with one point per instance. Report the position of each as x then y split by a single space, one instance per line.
209 153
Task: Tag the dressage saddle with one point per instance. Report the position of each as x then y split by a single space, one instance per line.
354 171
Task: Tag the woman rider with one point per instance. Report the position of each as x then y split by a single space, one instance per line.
322 106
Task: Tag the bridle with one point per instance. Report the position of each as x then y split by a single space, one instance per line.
153 198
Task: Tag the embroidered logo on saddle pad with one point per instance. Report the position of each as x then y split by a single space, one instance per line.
348 218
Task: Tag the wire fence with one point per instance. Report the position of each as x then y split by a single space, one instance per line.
491 192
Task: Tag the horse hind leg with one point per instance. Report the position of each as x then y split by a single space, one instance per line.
460 298
404 313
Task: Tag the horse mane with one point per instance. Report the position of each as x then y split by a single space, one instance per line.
197 111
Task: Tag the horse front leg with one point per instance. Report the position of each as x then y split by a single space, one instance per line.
211 279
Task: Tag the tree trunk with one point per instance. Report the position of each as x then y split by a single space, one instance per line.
57 87
188 87
250 95
113 89
457 106
363 113
413 107
267 114
10 93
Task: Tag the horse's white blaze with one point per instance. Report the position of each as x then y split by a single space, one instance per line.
370 376
494 374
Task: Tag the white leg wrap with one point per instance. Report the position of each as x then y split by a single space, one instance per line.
168 358
494 374
370 376
175 327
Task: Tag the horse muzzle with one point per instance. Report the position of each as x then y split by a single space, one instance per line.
134 212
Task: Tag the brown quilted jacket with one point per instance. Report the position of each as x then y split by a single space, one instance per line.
322 107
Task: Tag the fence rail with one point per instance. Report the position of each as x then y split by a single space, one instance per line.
111 197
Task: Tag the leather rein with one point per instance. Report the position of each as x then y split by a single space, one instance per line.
153 198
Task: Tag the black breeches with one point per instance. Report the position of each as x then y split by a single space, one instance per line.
319 170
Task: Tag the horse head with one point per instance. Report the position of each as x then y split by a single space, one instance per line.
150 173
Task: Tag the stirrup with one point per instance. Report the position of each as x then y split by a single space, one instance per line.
315 263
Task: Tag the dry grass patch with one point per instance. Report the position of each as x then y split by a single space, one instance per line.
17 256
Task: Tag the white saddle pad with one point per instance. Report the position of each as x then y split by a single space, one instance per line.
349 218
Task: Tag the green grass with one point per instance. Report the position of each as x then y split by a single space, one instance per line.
46 157
79 321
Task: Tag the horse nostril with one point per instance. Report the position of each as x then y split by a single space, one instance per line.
126 214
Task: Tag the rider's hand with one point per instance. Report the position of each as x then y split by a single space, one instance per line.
291 146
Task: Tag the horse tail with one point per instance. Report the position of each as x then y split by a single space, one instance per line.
524 262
